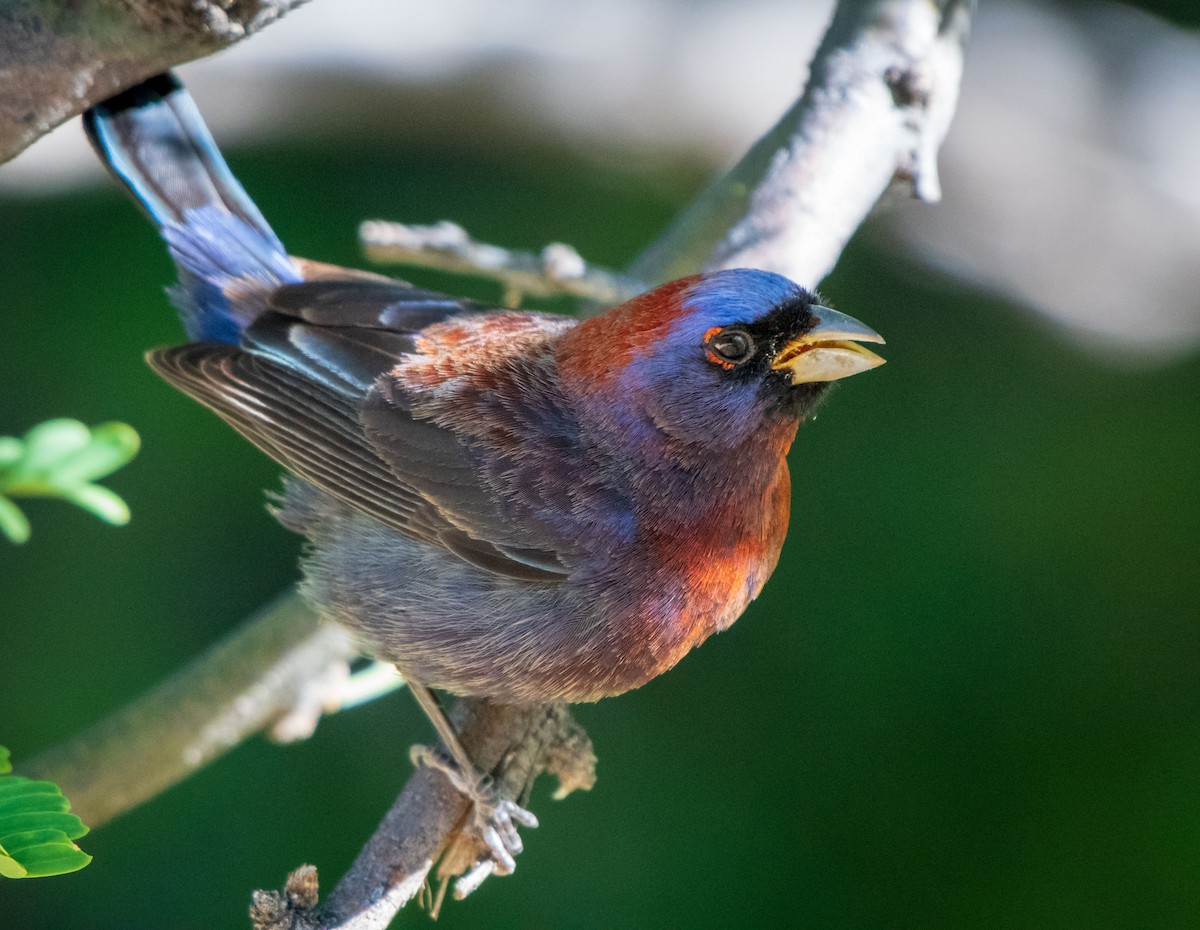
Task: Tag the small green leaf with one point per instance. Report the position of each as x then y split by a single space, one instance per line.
99 501
10 867
27 821
42 853
36 827
11 449
111 446
47 443
13 523
21 796
61 458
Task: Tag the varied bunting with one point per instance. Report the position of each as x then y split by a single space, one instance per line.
514 505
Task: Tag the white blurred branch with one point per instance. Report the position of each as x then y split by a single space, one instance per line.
881 92
1073 174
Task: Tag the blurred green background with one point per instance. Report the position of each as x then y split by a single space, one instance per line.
968 697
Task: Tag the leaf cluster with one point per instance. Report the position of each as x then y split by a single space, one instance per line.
36 827
62 459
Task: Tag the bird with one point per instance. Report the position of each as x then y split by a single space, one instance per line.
514 505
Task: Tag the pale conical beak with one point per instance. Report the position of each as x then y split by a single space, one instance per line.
829 350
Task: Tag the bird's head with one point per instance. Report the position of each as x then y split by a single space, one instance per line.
713 358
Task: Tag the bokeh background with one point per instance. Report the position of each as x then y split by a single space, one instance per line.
968 697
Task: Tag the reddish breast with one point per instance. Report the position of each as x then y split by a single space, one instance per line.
708 572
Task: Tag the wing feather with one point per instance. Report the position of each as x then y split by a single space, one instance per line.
307 386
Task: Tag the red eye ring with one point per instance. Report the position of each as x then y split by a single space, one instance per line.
728 347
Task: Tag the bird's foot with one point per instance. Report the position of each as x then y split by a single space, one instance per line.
495 817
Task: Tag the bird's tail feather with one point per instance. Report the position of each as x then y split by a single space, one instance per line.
154 141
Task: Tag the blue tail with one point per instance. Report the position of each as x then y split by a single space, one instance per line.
153 139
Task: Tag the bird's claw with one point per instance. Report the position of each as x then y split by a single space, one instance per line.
495 818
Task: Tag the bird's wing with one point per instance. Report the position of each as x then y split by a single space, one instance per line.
313 385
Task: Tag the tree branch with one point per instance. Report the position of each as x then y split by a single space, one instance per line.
558 270
57 58
514 744
238 688
883 88
881 92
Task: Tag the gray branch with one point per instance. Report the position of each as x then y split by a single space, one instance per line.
59 58
240 687
514 744
881 92
558 270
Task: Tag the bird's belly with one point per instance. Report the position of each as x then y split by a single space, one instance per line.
449 624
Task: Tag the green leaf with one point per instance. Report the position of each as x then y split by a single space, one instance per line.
49 819
99 501
47 443
111 446
10 867
11 449
17 797
36 827
40 854
13 523
61 458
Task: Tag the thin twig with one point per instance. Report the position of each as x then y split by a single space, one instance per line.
369 684
557 270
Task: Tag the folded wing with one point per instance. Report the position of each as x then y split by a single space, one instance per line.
309 385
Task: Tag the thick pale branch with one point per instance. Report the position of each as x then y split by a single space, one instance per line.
882 89
57 58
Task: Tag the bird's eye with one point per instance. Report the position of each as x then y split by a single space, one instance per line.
728 347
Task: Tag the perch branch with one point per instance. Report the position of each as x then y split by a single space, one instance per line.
514 744
883 88
57 59
557 270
